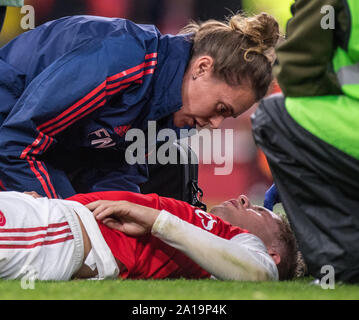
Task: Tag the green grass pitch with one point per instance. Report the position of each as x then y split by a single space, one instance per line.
175 290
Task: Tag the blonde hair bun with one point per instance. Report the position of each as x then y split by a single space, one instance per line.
262 30
242 48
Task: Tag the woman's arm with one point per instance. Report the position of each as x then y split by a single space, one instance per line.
70 89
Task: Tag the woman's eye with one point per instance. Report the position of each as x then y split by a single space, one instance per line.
223 109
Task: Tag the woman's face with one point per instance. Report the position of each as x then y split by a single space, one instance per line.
208 100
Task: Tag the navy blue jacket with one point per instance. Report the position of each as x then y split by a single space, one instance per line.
76 85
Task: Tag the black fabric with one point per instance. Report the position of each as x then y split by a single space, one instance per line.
178 181
2 16
318 185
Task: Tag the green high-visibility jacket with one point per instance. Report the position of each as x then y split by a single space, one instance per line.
318 71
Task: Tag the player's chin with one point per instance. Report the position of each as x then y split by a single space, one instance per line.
219 211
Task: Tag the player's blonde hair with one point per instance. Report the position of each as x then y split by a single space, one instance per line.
242 48
292 264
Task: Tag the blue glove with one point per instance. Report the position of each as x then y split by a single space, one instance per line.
271 197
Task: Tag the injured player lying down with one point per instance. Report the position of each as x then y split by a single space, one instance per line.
128 235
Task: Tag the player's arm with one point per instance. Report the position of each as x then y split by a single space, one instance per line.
244 257
74 87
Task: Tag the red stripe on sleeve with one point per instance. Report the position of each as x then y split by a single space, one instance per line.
50 130
39 177
73 107
45 173
32 145
151 55
2 186
76 119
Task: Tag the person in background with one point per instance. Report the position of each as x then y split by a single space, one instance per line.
4 4
310 135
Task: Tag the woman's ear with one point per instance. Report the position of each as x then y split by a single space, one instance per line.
202 66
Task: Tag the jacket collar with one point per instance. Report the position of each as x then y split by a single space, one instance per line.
174 53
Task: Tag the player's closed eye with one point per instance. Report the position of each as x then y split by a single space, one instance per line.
264 212
260 209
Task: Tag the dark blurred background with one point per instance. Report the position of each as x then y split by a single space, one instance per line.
250 174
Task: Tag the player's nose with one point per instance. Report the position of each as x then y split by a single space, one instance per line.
216 121
244 201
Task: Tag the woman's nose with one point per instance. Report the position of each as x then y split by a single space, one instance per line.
215 122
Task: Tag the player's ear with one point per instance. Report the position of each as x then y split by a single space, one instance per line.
275 256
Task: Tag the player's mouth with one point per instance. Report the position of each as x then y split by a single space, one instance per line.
232 202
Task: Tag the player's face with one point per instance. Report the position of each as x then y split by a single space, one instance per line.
256 219
208 100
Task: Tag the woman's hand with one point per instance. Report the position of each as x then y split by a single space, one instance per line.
129 218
